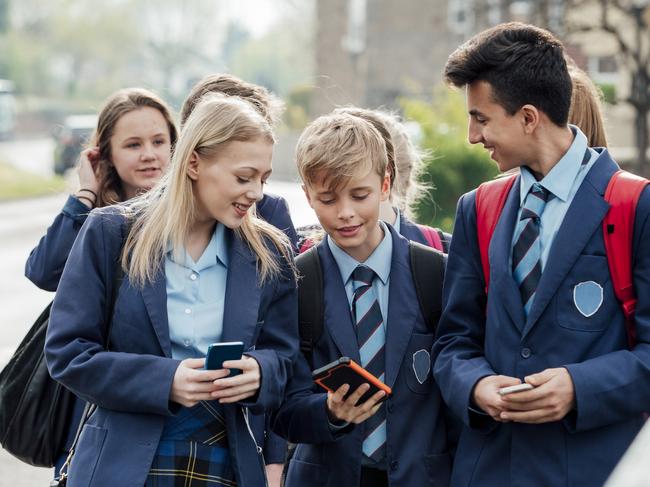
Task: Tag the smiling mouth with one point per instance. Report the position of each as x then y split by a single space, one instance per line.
149 170
241 209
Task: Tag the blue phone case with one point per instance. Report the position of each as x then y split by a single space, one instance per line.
218 353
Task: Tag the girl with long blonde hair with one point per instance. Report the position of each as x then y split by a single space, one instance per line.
200 268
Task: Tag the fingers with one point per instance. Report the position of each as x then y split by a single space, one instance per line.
235 391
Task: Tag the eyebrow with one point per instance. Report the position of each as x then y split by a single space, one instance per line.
475 113
137 137
254 170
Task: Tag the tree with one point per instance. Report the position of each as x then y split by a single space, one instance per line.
627 22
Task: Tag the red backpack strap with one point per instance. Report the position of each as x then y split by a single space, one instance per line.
305 245
623 193
432 237
490 199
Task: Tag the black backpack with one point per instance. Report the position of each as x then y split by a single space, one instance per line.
427 268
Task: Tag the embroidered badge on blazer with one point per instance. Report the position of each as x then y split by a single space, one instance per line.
588 297
421 365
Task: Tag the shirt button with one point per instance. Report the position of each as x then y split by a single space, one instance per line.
525 352
188 311
193 277
187 343
393 465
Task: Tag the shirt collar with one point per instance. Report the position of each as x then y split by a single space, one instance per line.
560 179
215 252
379 261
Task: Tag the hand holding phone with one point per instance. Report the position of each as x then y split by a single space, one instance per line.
218 353
346 371
504 391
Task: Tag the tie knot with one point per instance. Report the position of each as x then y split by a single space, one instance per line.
535 202
363 275
540 192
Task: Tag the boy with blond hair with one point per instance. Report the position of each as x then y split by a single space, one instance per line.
371 314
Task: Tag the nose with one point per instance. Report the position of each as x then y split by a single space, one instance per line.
345 211
148 152
474 134
255 193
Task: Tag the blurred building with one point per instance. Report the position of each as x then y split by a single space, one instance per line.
371 52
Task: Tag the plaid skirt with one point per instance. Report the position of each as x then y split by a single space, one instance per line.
193 450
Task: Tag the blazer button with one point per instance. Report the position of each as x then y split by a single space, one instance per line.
525 352
393 465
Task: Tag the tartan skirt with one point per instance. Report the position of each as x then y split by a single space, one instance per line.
193 450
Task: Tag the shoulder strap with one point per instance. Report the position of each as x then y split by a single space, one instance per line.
310 300
428 270
431 236
623 193
490 200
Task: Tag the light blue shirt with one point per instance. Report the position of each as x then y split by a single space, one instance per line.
379 261
195 297
563 182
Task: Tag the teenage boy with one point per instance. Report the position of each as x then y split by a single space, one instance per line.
372 315
550 318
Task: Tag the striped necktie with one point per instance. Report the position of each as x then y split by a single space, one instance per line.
527 250
371 337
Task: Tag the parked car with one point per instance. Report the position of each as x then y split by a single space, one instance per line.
71 138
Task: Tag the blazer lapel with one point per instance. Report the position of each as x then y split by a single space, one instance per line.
338 317
403 308
502 284
582 219
155 300
243 294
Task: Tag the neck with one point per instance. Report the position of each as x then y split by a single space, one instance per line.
387 213
552 143
199 237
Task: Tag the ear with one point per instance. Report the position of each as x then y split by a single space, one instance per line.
193 166
530 118
306 190
385 187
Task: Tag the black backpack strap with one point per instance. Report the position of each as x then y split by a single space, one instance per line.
310 300
428 269
444 240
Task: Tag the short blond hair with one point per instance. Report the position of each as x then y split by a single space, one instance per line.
337 147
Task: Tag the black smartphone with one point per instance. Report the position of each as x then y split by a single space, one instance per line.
347 371
218 353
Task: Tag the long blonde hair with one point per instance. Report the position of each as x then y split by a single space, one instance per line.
165 214
586 108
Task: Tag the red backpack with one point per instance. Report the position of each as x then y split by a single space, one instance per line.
623 192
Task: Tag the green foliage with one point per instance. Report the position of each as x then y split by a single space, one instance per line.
609 92
15 184
452 165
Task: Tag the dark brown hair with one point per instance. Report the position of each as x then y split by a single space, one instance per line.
522 63
120 103
267 104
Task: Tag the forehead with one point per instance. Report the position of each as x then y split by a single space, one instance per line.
140 122
254 155
480 97
323 182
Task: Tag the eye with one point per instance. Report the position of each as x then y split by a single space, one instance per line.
327 202
243 180
159 142
360 197
133 145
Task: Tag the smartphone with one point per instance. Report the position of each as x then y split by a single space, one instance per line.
218 353
518 388
347 371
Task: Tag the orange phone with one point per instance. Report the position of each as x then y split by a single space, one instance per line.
347 371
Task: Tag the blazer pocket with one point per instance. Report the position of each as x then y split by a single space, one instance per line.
87 453
304 473
439 468
417 363
585 299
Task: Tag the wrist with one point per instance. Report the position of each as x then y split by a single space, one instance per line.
86 201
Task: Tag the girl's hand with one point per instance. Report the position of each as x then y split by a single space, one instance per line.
239 387
345 410
88 160
192 383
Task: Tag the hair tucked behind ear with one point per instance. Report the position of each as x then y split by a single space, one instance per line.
165 214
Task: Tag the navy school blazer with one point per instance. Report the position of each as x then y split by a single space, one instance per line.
417 438
612 383
131 383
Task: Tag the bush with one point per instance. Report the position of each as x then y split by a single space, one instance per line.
452 166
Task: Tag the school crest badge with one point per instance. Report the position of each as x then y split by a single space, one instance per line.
421 365
588 297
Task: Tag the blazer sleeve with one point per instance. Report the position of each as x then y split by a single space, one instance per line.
45 263
616 386
74 346
460 361
277 344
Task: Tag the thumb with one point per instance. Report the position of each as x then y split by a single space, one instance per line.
540 378
193 363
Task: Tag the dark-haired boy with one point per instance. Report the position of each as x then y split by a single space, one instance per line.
550 318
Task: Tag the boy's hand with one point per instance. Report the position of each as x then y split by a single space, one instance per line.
345 410
487 397
551 400
192 384
239 387
274 474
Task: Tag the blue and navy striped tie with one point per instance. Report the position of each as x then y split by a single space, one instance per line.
527 250
371 337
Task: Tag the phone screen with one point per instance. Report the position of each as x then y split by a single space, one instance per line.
218 353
